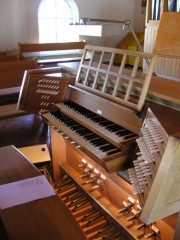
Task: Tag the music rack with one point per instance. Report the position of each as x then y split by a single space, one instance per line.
123 87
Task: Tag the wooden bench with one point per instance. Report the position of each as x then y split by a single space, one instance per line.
7 58
34 48
11 76
3 53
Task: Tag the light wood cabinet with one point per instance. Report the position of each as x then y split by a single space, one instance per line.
168 62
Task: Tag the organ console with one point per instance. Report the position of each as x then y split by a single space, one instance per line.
113 170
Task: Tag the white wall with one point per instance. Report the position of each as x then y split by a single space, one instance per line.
18 19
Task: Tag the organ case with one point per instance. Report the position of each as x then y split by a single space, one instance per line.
100 96
112 98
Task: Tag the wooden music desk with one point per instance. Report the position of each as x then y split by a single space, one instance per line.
163 98
45 218
161 89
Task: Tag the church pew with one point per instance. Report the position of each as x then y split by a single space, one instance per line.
11 76
27 50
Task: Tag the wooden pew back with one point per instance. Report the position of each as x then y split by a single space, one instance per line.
6 58
3 53
42 47
11 76
11 72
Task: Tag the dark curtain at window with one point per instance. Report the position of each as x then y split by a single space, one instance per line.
174 5
156 9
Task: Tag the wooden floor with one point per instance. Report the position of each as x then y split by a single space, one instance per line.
23 131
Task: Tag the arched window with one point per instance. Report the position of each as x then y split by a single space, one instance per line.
53 18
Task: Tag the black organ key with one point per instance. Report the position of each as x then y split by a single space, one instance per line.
114 127
113 151
92 136
88 114
107 148
106 123
70 122
76 107
123 133
99 143
97 119
76 127
57 114
101 121
83 131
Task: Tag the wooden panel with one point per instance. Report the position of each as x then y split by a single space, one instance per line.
12 72
10 110
166 66
18 65
35 47
150 36
8 58
46 218
165 189
167 40
156 170
111 195
41 89
166 89
36 153
110 110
